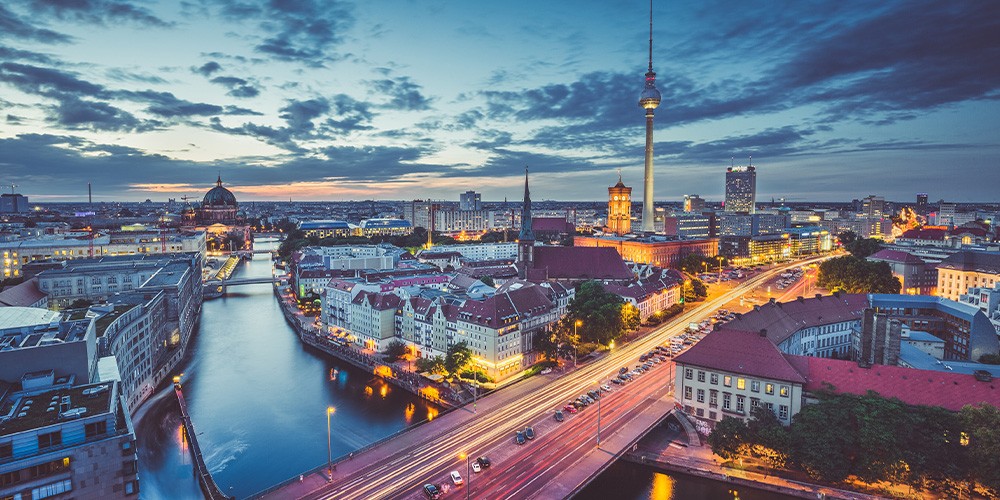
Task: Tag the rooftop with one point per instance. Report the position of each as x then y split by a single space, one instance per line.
583 263
740 352
782 319
980 262
21 413
896 256
20 317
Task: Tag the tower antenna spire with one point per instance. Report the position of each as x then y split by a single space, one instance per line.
650 35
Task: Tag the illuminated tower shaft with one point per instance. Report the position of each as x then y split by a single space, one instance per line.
649 99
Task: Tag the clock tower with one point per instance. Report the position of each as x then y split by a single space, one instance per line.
619 208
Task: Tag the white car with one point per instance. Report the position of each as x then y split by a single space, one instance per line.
456 478
476 467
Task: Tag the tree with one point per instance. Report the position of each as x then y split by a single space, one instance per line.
488 281
599 313
854 275
769 440
431 365
863 247
728 439
395 350
80 304
982 430
823 439
847 237
990 359
545 342
457 358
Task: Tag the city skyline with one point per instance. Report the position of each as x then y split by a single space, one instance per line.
340 101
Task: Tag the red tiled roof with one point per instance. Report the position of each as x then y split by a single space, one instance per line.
948 390
380 301
639 290
22 295
552 225
924 234
782 319
506 308
583 263
740 352
982 262
896 256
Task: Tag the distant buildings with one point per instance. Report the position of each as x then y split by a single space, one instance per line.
693 203
987 299
874 207
741 189
655 250
917 276
12 203
367 228
470 200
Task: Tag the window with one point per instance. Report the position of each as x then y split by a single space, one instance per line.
701 395
768 388
688 373
53 489
784 391
783 412
49 440
714 378
701 412
726 398
741 384
712 415
713 399
701 376
727 381
6 450
130 488
687 392
755 386
95 429
754 402
740 404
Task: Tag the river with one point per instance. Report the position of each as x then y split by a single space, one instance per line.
258 400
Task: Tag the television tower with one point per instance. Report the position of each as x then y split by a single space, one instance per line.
649 99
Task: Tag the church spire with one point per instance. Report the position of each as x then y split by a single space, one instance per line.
527 234
218 182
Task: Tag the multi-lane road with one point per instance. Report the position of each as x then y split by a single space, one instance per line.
428 453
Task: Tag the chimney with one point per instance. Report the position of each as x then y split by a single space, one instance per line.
983 375
771 300
763 332
819 296
800 298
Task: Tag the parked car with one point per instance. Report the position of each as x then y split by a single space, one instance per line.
617 381
431 491
456 478
622 370
484 462
606 388
476 467
519 438
559 416
570 408
529 432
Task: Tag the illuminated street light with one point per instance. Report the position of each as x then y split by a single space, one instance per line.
576 324
468 474
329 447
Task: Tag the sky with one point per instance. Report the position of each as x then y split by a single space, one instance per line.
407 99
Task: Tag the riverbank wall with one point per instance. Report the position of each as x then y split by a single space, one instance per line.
207 483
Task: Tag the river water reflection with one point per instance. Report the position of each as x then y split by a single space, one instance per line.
258 400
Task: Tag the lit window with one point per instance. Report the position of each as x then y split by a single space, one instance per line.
741 384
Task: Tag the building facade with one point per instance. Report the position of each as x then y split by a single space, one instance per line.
741 189
964 270
619 209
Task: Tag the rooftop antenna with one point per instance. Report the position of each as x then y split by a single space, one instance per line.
90 195
732 161
650 36
12 186
751 160
619 175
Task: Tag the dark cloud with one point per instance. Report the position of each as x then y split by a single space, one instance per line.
305 31
238 87
14 119
45 81
12 54
208 68
122 75
75 113
98 12
350 114
402 93
11 25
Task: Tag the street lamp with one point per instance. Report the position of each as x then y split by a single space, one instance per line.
329 446
599 412
468 474
576 324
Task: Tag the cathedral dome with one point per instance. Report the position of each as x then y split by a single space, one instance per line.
219 196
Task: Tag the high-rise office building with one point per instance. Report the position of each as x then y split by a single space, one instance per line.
693 203
873 206
741 189
13 203
921 200
619 208
470 200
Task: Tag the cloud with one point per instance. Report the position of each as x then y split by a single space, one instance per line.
45 81
304 31
101 12
403 94
13 26
123 75
208 68
238 87
74 113
14 119
10 53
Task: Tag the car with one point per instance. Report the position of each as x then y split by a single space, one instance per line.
476 467
519 438
431 491
456 478
570 408
606 388
559 416
484 462
622 370
529 432
617 381
546 371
